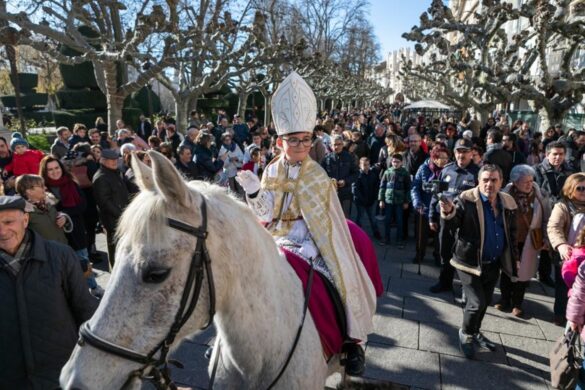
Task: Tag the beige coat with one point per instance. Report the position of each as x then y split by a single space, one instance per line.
559 224
529 256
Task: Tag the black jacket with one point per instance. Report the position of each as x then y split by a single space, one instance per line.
203 157
467 221
365 188
42 309
501 158
341 166
550 180
190 171
459 180
413 161
78 237
111 196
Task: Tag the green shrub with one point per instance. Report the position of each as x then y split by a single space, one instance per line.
82 98
27 81
78 76
141 98
39 141
28 100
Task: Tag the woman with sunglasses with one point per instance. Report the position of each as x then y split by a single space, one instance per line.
566 220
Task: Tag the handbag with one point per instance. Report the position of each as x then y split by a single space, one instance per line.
565 361
537 238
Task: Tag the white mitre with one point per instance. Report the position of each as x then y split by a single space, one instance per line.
294 107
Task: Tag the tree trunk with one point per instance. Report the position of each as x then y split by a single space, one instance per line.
181 114
267 109
115 106
11 54
242 103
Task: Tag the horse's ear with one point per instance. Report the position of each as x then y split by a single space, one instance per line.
142 174
167 180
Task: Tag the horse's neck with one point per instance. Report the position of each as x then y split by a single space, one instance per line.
259 322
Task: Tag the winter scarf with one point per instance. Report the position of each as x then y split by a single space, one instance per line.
67 190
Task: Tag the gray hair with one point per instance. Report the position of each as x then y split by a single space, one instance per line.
336 137
521 171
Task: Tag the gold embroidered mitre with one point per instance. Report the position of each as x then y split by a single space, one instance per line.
294 107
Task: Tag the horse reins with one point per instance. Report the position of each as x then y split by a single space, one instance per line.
156 370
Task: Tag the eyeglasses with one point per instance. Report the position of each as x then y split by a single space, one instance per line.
580 189
294 142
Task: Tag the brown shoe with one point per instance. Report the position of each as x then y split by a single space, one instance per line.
501 306
517 312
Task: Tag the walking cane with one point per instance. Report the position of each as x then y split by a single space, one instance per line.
419 240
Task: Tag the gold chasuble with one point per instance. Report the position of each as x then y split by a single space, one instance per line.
314 199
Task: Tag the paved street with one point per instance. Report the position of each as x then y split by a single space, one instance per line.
415 338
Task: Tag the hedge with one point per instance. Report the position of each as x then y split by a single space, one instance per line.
28 81
82 98
28 100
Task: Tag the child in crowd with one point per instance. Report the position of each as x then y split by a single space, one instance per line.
255 164
49 223
24 161
571 266
364 191
394 197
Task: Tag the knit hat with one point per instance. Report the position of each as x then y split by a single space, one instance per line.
17 139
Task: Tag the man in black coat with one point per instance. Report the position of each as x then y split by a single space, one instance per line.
415 156
111 197
144 129
341 166
365 194
185 164
495 153
376 141
44 299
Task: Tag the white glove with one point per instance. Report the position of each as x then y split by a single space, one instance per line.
249 182
309 250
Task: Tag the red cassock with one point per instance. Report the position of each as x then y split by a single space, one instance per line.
320 305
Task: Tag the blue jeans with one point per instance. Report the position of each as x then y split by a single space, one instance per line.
83 256
368 211
393 213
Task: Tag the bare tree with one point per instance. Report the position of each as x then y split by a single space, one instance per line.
474 63
109 47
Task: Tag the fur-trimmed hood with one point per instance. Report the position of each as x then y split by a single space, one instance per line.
473 195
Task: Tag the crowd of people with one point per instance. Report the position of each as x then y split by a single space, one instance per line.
520 189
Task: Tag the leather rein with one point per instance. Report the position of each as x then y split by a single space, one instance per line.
156 369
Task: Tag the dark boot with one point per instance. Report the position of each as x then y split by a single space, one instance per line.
355 361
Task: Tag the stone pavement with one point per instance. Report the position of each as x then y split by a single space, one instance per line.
414 342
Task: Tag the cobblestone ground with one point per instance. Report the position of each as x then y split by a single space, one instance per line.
414 342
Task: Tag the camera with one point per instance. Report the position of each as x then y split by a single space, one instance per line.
435 187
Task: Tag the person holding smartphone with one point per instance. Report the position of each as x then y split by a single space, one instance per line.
484 220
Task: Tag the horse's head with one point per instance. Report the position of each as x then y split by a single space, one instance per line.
153 261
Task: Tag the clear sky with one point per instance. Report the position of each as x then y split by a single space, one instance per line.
391 18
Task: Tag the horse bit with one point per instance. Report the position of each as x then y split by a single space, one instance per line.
156 370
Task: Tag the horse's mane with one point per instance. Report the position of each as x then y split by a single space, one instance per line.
148 205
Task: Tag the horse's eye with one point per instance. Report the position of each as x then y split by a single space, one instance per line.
155 274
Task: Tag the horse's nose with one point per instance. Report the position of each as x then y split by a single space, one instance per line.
69 380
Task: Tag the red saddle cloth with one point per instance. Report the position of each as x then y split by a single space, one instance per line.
320 304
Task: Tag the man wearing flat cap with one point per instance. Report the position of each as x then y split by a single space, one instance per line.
111 197
44 299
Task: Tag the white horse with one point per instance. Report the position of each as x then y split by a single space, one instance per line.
259 298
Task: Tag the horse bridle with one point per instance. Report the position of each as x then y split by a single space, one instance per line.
155 369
